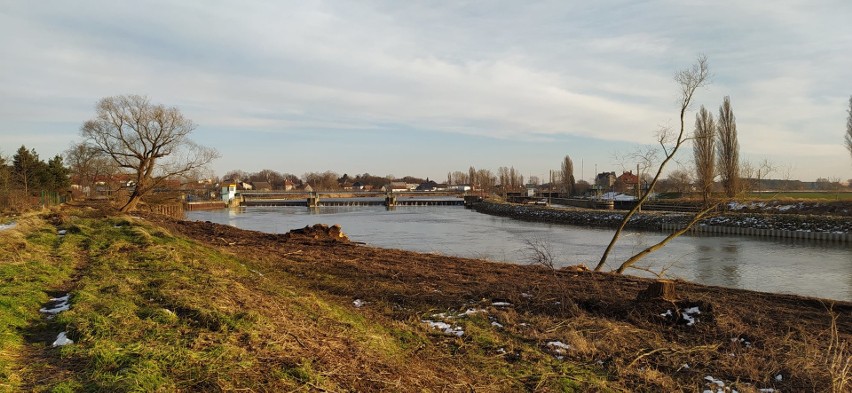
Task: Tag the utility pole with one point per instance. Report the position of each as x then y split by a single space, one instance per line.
638 187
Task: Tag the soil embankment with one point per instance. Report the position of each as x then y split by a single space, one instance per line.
739 335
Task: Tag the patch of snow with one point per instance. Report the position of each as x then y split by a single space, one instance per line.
779 378
62 340
61 232
10 225
501 351
526 295
60 306
767 390
358 303
692 310
56 310
496 324
688 315
445 328
558 346
472 311
718 382
62 299
501 304
668 313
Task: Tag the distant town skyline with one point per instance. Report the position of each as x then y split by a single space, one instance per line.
422 89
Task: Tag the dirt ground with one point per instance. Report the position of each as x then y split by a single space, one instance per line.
751 340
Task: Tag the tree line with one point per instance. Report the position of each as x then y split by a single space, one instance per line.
25 176
30 174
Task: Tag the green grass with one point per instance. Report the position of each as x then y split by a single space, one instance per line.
155 312
33 260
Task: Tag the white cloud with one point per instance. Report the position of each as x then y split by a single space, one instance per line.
510 70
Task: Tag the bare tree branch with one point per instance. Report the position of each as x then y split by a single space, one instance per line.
688 80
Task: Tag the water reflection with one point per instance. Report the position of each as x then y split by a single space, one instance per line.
785 265
717 261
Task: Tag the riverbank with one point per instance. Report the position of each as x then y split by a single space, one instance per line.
836 228
157 304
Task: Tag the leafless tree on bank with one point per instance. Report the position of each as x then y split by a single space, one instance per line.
151 141
688 81
704 152
89 164
567 176
728 149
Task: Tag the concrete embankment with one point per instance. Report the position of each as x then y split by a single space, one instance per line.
827 228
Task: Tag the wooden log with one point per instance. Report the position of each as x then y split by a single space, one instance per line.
660 289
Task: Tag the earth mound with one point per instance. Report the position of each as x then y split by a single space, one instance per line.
319 232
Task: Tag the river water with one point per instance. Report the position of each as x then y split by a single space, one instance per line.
781 266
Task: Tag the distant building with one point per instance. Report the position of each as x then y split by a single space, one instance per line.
605 180
626 182
459 187
398 186
261 186
428 185
288 185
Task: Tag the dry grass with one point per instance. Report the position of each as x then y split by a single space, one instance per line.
200 307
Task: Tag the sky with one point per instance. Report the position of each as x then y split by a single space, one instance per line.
425 88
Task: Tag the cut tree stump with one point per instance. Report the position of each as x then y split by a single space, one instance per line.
660 289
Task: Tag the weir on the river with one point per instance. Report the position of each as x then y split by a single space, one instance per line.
329 199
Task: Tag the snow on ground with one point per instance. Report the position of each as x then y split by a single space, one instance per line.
358 303
446 328
62 339
61 304
558 347
61 232
55 310
10 225
472 311
689 315
501 304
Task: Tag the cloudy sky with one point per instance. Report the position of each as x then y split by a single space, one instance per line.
423 88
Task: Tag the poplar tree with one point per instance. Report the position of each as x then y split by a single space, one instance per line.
728 149
704 152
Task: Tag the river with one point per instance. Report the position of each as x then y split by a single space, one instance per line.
781 266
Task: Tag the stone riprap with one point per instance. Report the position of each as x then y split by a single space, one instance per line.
657 220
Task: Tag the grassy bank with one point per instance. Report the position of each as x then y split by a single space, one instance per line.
175 306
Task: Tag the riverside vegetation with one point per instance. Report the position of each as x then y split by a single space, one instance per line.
163 305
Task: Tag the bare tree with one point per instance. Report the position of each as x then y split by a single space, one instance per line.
567 176
704 152
459 177
688 81
89 165
679 181
322 181
849 127
151 141
728 149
